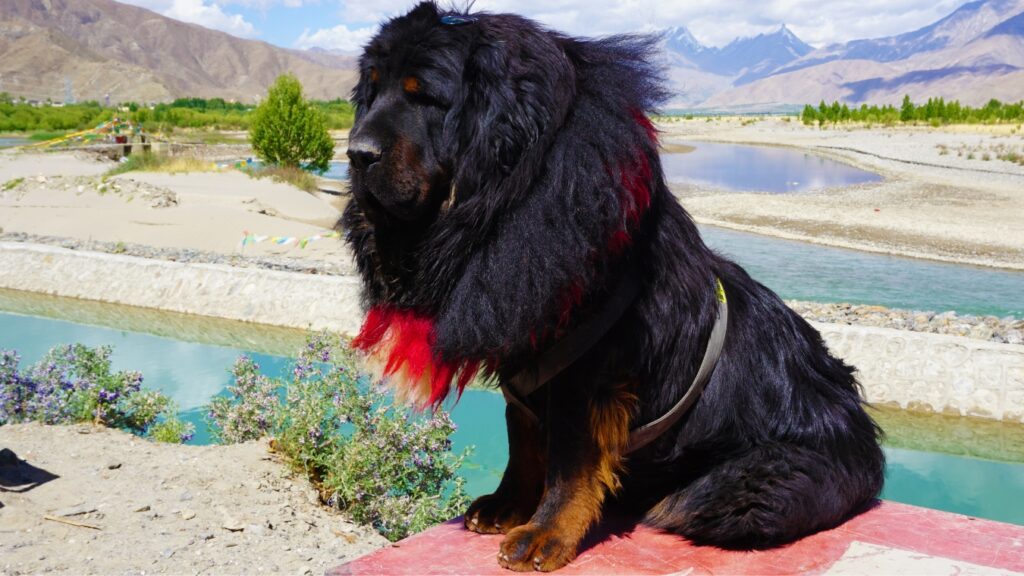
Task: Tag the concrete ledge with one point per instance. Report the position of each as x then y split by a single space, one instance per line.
891 538
933 372
247 294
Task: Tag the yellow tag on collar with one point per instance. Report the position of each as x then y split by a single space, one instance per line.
719 291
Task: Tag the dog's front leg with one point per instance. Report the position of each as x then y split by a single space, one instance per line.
586 431
520 490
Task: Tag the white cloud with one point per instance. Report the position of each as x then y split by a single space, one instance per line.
713 22
339 38
716 23
154 5
210 16
363 12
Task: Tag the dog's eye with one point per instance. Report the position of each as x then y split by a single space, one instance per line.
374 75
411 85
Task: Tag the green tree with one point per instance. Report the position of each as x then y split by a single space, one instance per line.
907 109
288 131
809 115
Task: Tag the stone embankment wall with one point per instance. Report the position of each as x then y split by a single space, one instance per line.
247 294
933 372
914 370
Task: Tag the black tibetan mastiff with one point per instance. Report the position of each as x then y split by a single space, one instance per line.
511 217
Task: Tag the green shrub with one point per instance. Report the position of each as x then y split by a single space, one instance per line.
11 184
288 131
172 429
378 463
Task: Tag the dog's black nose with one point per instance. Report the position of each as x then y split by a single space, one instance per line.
362 152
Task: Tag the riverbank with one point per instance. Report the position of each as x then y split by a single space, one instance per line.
91 500
68 196
945 195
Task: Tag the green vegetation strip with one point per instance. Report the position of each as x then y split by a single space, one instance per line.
47 121
936 112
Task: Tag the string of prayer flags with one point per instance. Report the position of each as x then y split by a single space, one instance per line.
250 238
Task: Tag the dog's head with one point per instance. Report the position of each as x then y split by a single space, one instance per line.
449 105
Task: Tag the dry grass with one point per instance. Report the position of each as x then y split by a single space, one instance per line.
161 163
289 175
1005 152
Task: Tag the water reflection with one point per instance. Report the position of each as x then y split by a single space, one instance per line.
759 168
337 171
9 142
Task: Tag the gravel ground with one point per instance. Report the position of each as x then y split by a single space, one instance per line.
187 255
91 500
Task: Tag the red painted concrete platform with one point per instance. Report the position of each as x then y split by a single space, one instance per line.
889 539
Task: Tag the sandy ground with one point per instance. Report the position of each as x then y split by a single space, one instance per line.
65 195
943 206
159 508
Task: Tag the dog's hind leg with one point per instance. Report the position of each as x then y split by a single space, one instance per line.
584 439
767 496
521 487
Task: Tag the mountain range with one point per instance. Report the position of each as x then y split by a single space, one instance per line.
89 49
974 54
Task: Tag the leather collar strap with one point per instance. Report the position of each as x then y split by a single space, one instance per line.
643 435
569 349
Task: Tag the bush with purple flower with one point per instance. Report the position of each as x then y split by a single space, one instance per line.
247 413
76 383
378 463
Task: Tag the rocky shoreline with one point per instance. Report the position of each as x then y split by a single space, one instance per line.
1007 330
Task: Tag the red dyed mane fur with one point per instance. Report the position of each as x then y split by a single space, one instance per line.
401 343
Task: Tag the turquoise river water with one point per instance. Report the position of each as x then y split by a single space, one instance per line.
192 373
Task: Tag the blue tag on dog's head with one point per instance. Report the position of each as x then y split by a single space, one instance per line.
455 20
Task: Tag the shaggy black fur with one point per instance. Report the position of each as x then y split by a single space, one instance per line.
500 194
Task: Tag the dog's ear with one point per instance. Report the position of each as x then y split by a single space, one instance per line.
518 85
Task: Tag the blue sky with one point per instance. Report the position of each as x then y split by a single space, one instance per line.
345 25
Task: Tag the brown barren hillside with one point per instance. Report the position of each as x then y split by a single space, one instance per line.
103 47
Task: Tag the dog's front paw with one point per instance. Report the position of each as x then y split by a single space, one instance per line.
494 514
535 547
